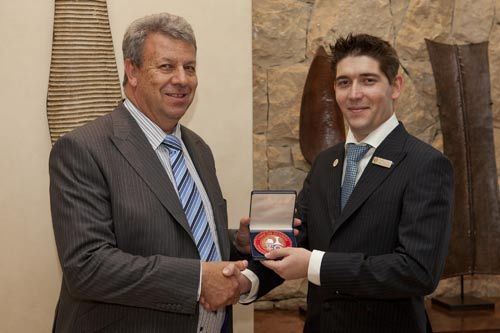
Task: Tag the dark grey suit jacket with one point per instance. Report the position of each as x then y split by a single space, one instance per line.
129 261
386 249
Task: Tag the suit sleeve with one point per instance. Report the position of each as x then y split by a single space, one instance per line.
94 266
417 262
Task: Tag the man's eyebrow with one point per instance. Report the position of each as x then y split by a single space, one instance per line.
341 77
369 74
167 59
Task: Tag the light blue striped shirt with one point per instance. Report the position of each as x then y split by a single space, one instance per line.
208 321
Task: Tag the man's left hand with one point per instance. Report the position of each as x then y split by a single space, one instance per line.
293 262
242 237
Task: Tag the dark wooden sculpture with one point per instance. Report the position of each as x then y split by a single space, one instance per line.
462 80
321 121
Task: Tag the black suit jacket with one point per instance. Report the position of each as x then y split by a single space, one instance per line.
386 249
128 258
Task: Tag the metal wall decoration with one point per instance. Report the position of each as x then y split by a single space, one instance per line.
462 80
83 82
321 121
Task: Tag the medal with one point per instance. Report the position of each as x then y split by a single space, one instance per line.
267 241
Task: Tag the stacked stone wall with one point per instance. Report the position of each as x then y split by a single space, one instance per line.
286 34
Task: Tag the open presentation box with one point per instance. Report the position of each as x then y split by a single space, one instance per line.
271 221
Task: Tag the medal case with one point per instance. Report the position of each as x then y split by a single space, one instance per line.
271 221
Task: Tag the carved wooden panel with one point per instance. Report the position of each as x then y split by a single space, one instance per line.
83 82
462 80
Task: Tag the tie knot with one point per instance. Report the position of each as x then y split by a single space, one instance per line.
356 152
172 142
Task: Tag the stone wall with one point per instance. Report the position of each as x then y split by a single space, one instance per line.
286 34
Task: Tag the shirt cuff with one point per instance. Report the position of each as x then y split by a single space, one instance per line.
199 286
252 294
314 269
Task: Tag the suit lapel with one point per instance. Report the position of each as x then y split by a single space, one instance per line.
390 149
196 149
334 179
135 148
194 146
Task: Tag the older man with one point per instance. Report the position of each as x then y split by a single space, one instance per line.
139 218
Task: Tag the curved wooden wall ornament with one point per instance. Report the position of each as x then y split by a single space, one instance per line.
83 82
462 80
321 121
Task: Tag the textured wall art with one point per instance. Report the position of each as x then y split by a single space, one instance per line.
461 73
83 82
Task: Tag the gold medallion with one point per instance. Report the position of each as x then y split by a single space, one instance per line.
267 241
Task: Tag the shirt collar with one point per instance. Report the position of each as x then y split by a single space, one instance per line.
153 132
378 135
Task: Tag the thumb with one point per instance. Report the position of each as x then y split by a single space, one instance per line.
276 254
244 223
241 265
228 270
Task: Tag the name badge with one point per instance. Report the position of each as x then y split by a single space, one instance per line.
382 162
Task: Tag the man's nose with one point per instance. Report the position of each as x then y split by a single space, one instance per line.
355 91
180 76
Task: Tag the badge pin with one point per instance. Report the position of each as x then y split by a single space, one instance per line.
336 162
382 162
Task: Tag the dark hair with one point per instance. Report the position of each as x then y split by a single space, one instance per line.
367 45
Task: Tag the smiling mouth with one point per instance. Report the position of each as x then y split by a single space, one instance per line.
176 95
357 108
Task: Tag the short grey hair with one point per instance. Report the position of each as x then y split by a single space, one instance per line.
170 25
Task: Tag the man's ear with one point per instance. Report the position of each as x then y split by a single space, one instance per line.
397 86
131 72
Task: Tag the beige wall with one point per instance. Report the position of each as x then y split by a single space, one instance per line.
222 111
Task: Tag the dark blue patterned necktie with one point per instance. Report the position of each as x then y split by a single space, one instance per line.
191 201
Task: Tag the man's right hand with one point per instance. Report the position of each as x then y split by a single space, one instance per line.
219 288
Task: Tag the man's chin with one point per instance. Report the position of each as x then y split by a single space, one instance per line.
356 124
359 129
175 112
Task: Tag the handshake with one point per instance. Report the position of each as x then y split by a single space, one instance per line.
222 282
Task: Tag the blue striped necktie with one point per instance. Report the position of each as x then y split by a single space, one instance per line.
191 201
354 154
